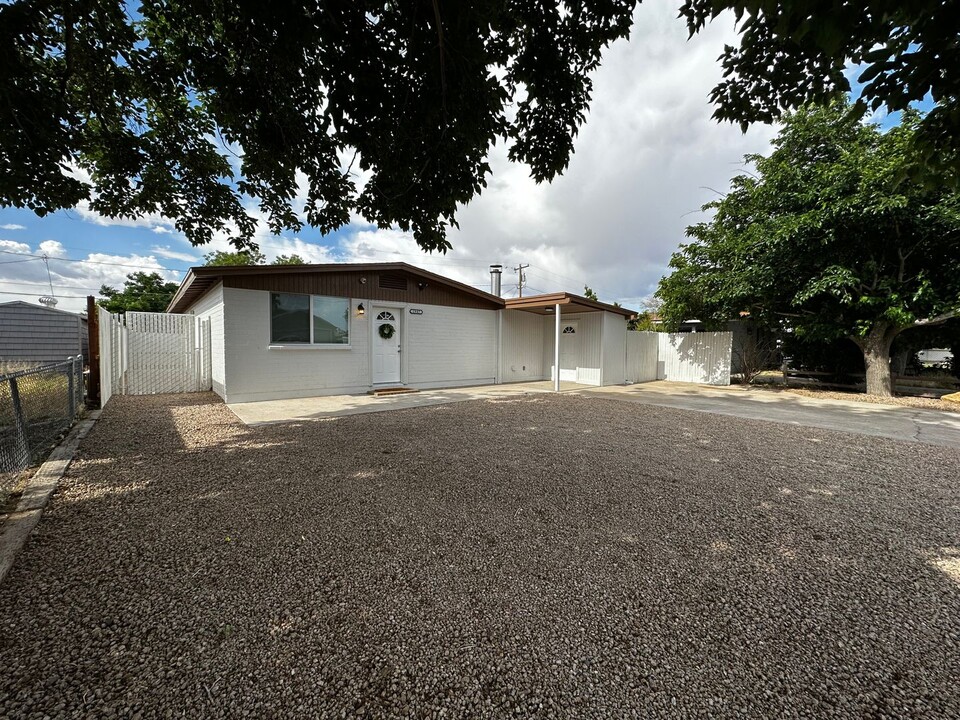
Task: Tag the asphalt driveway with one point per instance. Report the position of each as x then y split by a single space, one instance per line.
535 556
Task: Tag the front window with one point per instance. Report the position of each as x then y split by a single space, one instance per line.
309 319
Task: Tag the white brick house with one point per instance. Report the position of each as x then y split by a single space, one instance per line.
306 330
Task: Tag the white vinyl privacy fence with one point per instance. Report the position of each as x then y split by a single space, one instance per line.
682 357
146 353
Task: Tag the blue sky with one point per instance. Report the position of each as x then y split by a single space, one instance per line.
647 158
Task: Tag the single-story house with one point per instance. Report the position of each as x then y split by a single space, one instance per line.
37 335
285 331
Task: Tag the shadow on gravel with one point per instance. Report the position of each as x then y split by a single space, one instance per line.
553 556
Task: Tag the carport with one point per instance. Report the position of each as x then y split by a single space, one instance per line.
575 339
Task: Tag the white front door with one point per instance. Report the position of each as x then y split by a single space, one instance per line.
569 350
386 346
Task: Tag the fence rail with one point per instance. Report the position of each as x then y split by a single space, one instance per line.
37 406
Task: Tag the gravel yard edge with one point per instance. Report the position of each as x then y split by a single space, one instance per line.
18 526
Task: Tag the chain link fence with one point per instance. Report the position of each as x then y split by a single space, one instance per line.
37 406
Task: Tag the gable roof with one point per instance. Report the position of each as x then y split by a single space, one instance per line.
200 279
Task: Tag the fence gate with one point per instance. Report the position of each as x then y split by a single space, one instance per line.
146 353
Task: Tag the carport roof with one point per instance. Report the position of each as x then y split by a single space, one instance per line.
545 304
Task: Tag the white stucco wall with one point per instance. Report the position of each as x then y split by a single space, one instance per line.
448 346
442 347
614 349
589 327
210 307
522 353
257 372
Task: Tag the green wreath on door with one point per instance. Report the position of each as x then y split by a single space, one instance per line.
387 331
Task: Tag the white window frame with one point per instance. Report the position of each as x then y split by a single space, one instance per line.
311 345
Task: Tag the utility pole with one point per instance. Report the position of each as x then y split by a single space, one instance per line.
521 277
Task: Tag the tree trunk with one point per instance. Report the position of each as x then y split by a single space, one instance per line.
876 358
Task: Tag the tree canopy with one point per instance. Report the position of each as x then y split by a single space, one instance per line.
288 260
220 258
795 52
142 292
826 238
196 110
215 113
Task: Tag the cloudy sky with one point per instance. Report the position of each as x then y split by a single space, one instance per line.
648 157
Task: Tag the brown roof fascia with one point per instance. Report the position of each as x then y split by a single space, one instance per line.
564 298
214 273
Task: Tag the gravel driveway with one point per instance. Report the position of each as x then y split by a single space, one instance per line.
547 556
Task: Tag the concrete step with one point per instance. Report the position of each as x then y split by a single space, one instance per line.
381 392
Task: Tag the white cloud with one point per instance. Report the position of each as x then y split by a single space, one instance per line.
12 226
52 248
12 246
72 278
152 221
643 166
164 251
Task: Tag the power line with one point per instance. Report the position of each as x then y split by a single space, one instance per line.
95 262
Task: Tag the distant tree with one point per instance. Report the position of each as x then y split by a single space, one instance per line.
644 322
794 52
828 236
288 260
142 292
589 294
220 258
647 320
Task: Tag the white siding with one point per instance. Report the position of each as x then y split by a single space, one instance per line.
695 357
614 349
443 347
35 335
210 307
447 346
256 372
522 353
589 327
642 348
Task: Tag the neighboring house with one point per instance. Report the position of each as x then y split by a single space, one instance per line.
36 335
285 331
935 356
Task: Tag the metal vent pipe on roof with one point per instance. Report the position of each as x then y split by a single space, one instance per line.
495 271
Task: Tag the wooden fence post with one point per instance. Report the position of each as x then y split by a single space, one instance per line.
93 350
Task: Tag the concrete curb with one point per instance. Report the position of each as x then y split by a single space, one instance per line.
20 523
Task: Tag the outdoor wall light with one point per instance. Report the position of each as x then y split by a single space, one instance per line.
421 285
360 310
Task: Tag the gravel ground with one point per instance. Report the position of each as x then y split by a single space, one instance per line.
547 556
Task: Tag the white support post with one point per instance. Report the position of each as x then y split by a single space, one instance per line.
556 349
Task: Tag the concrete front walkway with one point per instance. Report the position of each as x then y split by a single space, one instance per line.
889 421
273 411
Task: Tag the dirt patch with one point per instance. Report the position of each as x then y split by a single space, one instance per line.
902 400
551 556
